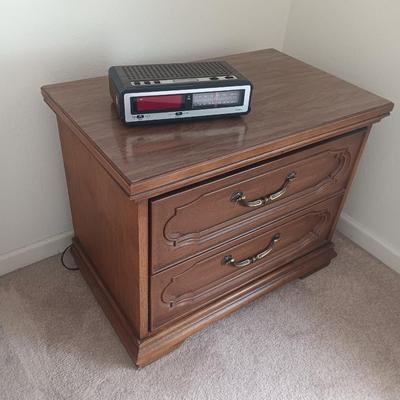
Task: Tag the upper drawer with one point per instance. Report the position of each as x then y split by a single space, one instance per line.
192 220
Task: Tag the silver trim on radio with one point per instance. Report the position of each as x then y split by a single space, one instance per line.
129 117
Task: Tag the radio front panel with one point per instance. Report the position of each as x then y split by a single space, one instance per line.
189 103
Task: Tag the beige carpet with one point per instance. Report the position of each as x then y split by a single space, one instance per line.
334 335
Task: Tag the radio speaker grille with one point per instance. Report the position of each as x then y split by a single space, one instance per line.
176 71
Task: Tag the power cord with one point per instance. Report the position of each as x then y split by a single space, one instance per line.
62 259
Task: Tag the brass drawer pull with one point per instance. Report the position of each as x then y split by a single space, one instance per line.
239 197
244 263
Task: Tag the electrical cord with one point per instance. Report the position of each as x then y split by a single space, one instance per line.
62 259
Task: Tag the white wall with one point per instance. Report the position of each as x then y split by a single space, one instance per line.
48 41
359 40
51 41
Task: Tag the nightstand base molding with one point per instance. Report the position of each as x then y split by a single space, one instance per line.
145 351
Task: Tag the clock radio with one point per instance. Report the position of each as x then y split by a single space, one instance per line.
171 92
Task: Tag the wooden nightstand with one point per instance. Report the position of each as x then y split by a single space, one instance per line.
178 225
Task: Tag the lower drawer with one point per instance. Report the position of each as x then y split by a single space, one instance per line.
191 284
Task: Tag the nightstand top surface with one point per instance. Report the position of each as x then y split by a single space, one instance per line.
293 104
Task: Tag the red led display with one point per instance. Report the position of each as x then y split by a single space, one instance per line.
159 103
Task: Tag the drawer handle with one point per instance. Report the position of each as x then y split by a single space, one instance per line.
244 263
239 197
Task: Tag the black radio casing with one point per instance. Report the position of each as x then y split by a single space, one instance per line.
185 78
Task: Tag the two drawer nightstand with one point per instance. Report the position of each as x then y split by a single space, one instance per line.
178 225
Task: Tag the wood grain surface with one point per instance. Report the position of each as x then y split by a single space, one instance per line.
177 232
111 228
191 284
293 104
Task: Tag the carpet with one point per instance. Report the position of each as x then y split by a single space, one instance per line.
334 335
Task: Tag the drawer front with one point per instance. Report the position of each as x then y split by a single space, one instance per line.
198 218
181 289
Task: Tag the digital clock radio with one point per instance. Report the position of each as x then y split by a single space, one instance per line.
170 92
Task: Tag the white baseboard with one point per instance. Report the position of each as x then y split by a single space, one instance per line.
367 240
35 252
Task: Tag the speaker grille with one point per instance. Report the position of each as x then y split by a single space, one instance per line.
176 71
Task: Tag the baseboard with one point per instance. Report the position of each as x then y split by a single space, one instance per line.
383 251
35 252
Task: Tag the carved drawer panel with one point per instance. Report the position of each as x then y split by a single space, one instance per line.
193 283
190 221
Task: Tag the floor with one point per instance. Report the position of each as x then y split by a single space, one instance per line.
334 335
